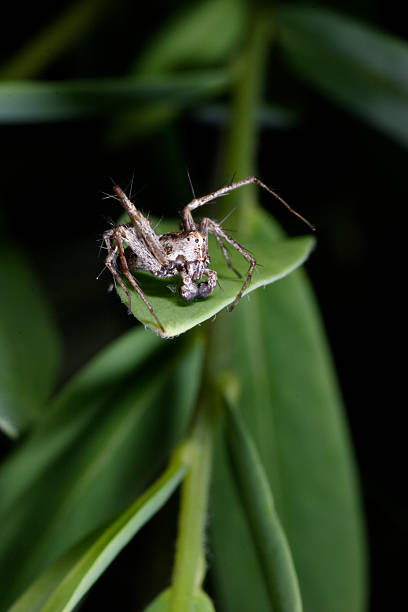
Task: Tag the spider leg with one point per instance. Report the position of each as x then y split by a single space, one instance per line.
208 225
226 255
142 226
206 288
187 217
110 263
129 276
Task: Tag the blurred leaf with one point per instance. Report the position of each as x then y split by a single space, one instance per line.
101 449
71 411
291 404
269 538
29 345
46 47
357 65
177 316
30 101
145 119
204 33
202 603
64 584
268 116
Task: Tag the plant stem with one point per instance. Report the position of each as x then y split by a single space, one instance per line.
240 157
189 566
242 139
53 40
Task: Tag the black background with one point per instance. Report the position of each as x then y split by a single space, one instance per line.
345 176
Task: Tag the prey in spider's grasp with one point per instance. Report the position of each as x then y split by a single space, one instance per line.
183 253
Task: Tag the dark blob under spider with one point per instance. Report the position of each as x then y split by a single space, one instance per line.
183 253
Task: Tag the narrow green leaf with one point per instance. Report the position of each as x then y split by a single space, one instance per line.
34 101
356 65
64 584
264 523
99 451
29 345
54 39
275 261
202 603
291 404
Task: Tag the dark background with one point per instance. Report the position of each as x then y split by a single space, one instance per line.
349 179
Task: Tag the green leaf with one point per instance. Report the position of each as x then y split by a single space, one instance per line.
275 261
63 585
269 538
108 435
52 41
204 33
30 101
69 414
356 65
29 345
201 603
291 404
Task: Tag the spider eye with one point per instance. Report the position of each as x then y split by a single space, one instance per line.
197 240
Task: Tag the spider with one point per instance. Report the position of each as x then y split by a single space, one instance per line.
183 253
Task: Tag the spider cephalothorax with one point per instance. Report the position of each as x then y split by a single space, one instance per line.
183 253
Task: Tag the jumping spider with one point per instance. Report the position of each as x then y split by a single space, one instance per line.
183 253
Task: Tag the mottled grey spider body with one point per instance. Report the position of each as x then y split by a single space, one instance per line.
183 253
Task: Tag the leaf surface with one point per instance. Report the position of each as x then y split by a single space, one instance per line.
291 404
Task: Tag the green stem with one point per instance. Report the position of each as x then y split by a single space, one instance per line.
189 566
243 136
46 47
240 158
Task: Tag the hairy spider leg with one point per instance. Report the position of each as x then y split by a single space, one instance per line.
226 255
188 218
111 265
208 225
142 226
